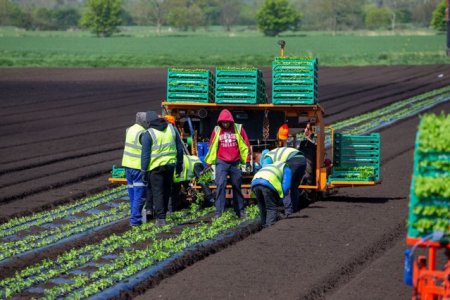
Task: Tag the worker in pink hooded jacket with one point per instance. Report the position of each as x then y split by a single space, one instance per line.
228 149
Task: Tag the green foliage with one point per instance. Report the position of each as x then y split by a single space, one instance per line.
276 16
426 187
434 133
438 21
102 17
184 15
377 17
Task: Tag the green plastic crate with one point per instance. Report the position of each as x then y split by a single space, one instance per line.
117 172
189 97
353 151
238 73
294 88
421 160
174 73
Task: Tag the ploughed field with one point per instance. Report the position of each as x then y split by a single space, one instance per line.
62 130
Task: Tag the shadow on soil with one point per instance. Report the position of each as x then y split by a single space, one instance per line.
362 199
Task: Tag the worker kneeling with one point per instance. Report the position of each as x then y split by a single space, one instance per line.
270 185
192 168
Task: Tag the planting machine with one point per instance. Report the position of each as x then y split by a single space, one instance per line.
195 98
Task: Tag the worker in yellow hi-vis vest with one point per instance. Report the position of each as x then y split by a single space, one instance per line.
131 160
162 155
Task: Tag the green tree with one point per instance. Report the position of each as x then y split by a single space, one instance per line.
438 20
276 16
184 15
102 17
377 17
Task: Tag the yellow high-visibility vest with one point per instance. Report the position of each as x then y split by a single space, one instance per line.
274 174
211 156
187 173
133 148
164 149
281 154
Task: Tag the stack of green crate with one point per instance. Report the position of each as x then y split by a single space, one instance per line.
190 85
294 80
429 199
240 85
356 158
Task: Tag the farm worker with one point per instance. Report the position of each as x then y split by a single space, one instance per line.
271 184
131 160
297 163
309 149
228 148
192 168
162 155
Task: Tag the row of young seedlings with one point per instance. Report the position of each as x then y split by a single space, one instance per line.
128 261
52 235
22 223
137 260
48 268
397 110
391 113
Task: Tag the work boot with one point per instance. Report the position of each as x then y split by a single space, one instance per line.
160 222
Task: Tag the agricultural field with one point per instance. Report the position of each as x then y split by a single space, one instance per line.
62 130
141 47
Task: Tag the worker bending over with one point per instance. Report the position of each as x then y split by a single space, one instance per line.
162 155
271 184
297 163
192 168
228 148
131 160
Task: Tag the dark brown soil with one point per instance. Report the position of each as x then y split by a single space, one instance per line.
62 130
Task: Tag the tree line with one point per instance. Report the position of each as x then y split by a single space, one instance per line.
270 16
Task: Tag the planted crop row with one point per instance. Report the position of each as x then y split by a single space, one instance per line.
52 235
124 266
47 269
398 109
22 223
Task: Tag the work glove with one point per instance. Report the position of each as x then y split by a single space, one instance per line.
248 167
145 178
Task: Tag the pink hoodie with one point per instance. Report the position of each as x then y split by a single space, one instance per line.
228 147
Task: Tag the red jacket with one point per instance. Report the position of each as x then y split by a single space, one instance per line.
228 146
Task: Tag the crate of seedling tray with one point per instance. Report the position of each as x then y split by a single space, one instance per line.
429 198
240 85
356 158
190 85
294 80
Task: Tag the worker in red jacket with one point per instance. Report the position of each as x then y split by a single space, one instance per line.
228 149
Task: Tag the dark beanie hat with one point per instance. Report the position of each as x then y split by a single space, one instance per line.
151 115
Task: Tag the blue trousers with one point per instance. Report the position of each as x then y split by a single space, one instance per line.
136 191
231 169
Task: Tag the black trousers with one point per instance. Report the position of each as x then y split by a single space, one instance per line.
268 200
161 180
